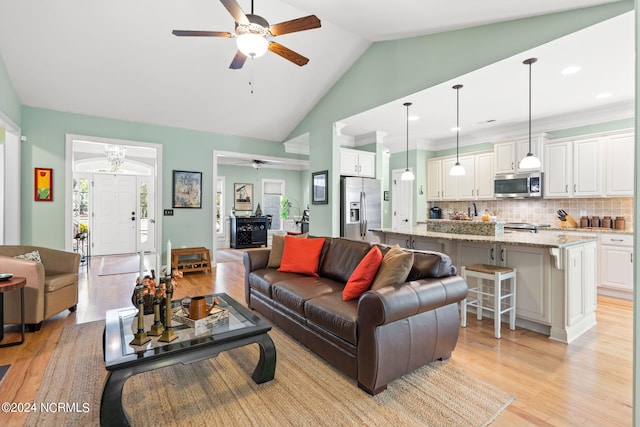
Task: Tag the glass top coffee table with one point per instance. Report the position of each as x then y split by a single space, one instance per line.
123 360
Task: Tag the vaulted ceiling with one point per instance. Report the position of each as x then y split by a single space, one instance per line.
118 58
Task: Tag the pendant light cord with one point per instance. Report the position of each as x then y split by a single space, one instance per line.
530 107
457 123
407 104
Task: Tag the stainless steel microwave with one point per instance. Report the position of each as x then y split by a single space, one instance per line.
518 185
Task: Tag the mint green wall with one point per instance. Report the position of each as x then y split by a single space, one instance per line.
182 150
9 102
485 146
390 70
297 185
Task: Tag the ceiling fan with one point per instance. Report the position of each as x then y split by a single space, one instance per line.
253 33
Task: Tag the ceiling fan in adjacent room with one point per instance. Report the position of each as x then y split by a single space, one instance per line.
253 33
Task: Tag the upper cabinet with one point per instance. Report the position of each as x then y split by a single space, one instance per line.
507 155
619 167
589 167
357 163
475 184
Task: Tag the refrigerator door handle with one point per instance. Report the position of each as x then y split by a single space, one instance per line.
363 209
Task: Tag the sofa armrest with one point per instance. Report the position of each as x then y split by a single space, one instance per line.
34 288
391 303
253 260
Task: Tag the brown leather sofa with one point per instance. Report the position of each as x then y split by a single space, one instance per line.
52 285
375 339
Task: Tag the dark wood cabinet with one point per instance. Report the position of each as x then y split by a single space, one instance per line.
248 232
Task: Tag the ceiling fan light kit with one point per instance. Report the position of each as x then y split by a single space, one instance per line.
253 33
529 161
457 169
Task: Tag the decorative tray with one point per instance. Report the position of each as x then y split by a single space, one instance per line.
5 276
216 316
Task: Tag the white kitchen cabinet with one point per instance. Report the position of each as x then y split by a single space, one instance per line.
408 241
434 180
508 154
616 265
619 165
573 168
533 293
357 163
475 184
469 253
580 283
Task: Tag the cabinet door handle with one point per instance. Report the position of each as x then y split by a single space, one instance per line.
617 240
408 244
631 256
574 188
511 165
566 188
502 255
492 258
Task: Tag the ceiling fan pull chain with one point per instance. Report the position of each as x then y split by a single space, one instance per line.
251 79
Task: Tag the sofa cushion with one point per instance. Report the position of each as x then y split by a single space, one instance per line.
335 315
301 255
295 292
363 275
262 280
394 269
430 264
342 258
277 247
55 282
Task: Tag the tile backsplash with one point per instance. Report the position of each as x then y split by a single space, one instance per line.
544 211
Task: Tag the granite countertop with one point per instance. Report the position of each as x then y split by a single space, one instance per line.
588 230
544 240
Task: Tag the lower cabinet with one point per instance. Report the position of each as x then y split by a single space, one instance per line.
411 242
616 265
581 286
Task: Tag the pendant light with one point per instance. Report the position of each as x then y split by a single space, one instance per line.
457 169
407 175
529 161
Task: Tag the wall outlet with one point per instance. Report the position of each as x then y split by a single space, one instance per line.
583 213
168 212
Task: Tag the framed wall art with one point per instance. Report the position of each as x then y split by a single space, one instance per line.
320 187
43 184
242 196
187 189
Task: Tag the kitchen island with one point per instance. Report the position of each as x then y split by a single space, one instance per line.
556 272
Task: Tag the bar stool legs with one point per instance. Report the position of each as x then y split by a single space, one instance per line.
504 299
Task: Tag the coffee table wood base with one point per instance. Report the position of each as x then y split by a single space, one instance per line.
113 414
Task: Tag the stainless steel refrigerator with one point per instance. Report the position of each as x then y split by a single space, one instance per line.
360 207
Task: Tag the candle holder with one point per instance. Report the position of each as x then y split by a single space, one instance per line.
169 334
140 337
157 329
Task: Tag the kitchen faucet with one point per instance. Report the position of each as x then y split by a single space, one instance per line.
475 209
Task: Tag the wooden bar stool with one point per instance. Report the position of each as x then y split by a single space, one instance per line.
504 299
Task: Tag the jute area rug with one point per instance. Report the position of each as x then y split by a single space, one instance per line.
306 391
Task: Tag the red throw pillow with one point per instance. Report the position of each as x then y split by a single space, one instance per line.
363 275
301 255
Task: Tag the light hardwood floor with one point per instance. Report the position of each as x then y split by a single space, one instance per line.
588 382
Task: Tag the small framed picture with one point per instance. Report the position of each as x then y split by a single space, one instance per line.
187 189
43 184
320 187
242 196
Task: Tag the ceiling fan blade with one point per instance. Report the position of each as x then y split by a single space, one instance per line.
299 24
238 61
188 33
288 54
236 11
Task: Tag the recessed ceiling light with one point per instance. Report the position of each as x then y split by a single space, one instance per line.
412 118
453 129
570 70
603 95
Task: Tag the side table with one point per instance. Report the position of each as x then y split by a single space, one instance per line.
15 283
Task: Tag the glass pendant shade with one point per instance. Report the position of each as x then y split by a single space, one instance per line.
529 162
457 170
407 175
252 45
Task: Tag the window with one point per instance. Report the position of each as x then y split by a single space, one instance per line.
220 206
272 194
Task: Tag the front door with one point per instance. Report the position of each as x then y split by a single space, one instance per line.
115 214
401 200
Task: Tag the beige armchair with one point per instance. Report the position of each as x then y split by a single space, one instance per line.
52 285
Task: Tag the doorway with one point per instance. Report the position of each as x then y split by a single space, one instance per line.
401 200
117 201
